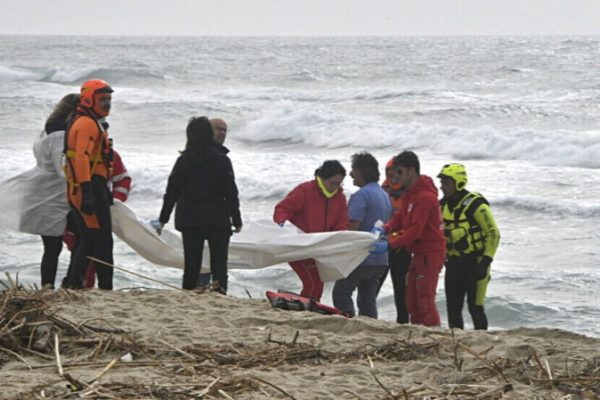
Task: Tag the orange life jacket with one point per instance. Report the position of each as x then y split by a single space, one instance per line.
88 152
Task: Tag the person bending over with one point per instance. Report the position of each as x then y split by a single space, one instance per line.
318 205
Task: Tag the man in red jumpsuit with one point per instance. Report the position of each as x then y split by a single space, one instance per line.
417 226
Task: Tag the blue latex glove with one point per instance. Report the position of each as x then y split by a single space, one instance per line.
157 225
379 247
379 230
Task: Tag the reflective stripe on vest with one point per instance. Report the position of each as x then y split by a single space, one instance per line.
463 234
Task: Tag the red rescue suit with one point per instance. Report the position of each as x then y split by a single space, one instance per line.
310 210
417 226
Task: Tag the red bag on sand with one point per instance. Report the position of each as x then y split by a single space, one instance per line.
295 302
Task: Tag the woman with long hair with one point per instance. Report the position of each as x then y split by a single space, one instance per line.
202 184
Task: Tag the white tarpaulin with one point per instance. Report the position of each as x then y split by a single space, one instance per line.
260 244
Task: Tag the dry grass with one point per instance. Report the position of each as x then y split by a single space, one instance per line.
40 339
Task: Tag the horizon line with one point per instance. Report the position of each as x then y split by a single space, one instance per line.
310 35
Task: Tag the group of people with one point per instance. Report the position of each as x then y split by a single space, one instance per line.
201 183
417 233
71 131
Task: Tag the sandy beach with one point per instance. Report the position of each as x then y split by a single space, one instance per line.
155 344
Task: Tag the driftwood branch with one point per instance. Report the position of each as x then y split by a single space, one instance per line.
274 387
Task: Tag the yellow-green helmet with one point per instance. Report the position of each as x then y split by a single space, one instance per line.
457 173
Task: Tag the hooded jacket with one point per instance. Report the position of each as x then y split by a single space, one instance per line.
307 207
420 220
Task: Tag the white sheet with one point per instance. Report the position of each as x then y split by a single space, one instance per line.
260 244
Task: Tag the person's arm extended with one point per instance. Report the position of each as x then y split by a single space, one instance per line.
341 222
394 224
422 208
287 208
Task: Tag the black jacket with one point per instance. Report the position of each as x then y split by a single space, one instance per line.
203 186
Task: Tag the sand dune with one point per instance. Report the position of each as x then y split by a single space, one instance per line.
179 343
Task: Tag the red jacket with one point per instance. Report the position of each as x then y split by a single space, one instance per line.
307 207
420 220
121 181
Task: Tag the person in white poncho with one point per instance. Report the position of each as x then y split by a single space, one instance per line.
35 201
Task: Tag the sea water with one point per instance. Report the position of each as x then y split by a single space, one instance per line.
522 113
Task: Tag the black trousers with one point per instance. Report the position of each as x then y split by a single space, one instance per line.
97 243
52 248
193 248
399 261
460 282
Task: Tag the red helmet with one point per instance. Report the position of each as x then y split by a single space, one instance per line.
89 92
389 166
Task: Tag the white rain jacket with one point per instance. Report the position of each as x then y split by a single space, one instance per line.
36 201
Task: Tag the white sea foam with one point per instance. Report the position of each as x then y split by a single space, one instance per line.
17 74
321 126
76 75
558 207
326 95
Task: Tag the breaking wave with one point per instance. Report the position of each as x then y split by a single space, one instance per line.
320 126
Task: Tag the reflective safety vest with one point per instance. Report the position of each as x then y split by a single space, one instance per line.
463 234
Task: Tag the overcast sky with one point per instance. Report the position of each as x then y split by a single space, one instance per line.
300 17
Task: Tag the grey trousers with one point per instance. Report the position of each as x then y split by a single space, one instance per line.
365 278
